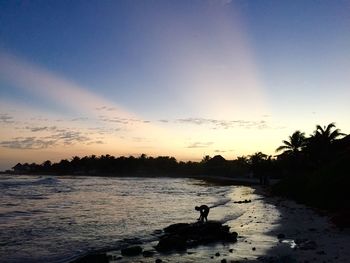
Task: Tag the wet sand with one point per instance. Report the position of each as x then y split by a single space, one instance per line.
271 229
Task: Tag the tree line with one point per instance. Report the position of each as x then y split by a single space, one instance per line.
108 165
297 155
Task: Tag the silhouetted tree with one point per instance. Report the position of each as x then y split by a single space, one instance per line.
319 145
328 134
205 159
295 144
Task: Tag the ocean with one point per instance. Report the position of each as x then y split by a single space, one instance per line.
58 218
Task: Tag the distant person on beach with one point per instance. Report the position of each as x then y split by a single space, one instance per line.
204 211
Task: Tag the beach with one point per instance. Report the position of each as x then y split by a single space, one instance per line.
271 229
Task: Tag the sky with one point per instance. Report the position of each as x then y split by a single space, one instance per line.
173 78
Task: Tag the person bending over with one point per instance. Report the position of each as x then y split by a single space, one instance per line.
204 211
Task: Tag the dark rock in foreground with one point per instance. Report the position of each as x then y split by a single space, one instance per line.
131 251
93 258
243 202
148 253
183 235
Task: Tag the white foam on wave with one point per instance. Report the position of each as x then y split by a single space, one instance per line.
221 202
28 182
49 180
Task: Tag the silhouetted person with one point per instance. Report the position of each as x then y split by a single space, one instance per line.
204 211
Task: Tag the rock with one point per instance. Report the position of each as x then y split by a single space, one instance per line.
280 236
132 251
174 242
183 235
253 248
300 240
157 232
223 260
93 258
148 253
243 202
308 245
132 241
176 227
158 260
230 250
217 254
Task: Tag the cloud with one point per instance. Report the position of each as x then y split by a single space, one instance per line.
58 137
121 120
200 145
223 151
27 143
140 139
105 108
70 137
103 130
53 87
226 2
114 119
220 2
37 129
80 119
225 124
95 142
6 118
42 128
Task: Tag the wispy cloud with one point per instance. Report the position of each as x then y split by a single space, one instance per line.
80 119
164 121
70 137
105 108
140 139
46 84
121 120
40 129
27 143
95 142
223 151
200 145
49 136
225 124
6 118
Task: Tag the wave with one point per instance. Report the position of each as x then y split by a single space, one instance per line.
230 217
48 181
220 202
17 183
16 213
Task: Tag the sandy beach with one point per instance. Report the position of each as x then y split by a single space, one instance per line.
271 229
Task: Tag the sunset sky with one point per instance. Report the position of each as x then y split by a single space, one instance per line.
178 78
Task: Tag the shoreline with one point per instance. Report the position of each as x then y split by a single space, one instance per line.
271 229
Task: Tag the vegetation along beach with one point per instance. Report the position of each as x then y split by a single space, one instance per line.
174 131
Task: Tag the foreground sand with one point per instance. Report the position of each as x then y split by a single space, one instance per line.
270 229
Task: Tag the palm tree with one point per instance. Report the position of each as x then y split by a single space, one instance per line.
295 144
321 141
326 135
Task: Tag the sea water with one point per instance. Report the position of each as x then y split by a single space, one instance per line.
57 218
